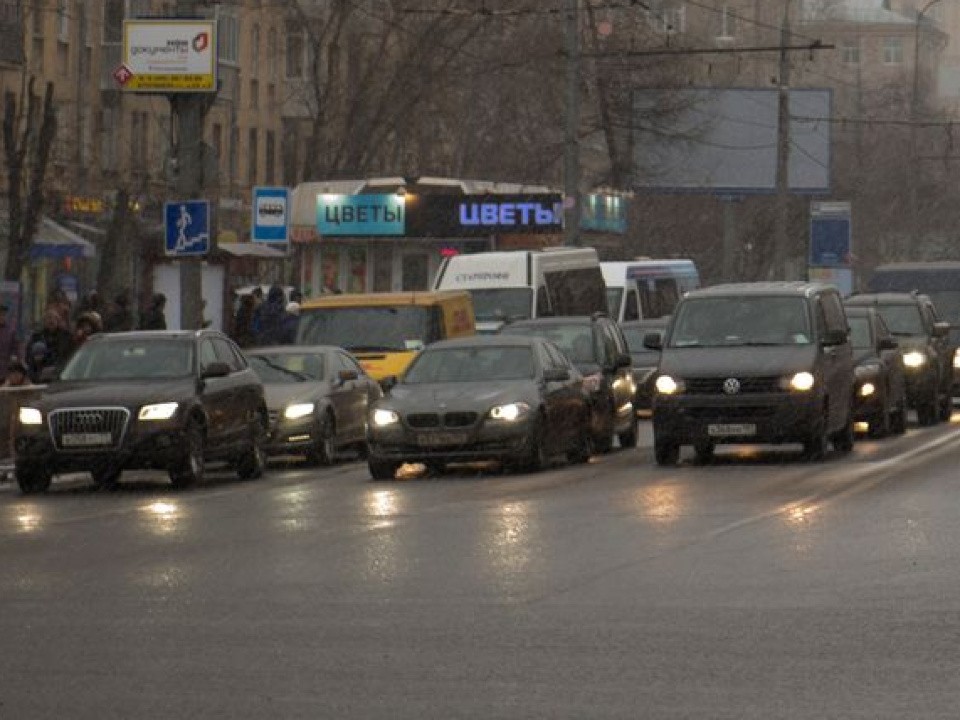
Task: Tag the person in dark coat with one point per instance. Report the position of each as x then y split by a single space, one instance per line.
153 318
271 317
243 333
119 317
58 342
290 323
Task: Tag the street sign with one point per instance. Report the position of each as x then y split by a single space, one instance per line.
271 215
830 235
187 228
122 74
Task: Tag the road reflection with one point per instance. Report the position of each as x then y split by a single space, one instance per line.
163 517
508 538
28 518
661 503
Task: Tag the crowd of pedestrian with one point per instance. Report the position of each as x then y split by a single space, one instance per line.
270 321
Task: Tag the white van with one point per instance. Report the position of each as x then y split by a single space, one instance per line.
523 284
647 289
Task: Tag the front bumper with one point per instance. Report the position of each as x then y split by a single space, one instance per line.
921 384
487 440
292 437
762 418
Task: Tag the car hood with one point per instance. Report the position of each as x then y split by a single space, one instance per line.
133 393
280 395
863 356
737 361
476 397
912 342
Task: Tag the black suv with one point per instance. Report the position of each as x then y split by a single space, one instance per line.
145 400
754 363
924 342
596 346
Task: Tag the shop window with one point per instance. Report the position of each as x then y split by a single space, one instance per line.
416 271
357 279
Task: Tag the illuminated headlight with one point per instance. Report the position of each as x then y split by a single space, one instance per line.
914 359
295 412
666 385
956 359
382 418
802 381
867 389
30 416
159 411
510 411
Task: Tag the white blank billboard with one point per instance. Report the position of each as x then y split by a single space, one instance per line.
725 141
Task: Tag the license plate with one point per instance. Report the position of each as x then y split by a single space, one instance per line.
435 439
86 439
731 429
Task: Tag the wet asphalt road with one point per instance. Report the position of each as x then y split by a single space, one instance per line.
758 587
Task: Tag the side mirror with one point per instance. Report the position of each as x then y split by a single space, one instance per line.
888 343
941 329
215 370
653 341
624 361
556 375
832 338
346 376
388 382
48 375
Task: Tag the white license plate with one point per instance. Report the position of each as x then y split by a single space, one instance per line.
439 439
731 429
86 439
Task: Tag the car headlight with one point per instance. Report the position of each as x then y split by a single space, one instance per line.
867 389
666 385
510 411
956 359
382 418
158 411
295 412
914 359
802 381
30 416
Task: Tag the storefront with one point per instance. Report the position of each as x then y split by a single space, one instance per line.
354 236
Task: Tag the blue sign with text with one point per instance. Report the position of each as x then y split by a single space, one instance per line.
830 235
187 228
360 215
271 215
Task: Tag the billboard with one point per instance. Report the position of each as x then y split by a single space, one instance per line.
725 141
161 56
830 235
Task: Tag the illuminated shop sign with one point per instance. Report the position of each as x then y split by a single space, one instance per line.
360 215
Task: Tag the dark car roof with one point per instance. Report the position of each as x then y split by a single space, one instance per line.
291 349
787 288
881 298
486 341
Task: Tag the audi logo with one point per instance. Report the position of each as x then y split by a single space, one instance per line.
731 386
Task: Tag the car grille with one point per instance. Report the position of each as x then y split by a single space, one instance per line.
714 386
85 424
731 414
434 420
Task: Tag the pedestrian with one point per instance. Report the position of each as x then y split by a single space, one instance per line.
243 333
90 303
290 323
271 317
36 360
257 295
119 317
17 374
8 339
87 324
57 341
60 304
153 318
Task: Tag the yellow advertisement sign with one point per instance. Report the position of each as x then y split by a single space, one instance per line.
168 56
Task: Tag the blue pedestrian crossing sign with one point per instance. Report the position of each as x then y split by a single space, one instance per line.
187 228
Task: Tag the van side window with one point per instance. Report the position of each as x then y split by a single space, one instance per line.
576 292
543 302
631 310
668 296
833 312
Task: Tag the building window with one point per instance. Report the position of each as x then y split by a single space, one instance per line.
63 59
113 21
272 64
39 15
892 51
850 52
252 152
36 54
727 28
254 94
228 37
271 169
234 149
255 47
216 138
140 8
63 21
673 18
295 52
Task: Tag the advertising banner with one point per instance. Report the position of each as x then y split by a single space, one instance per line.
163 56
830 235
360 215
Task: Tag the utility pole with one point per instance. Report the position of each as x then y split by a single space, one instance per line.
571 155
781 248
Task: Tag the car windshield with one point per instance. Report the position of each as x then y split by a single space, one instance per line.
131 359
471 365
738 321
860 332
370 329
501 304
902 318
614 297
575 340
283 368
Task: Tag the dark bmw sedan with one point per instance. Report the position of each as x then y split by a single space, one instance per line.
145 400
492 397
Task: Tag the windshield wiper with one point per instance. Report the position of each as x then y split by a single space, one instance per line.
287 371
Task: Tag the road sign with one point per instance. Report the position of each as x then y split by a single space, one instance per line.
271 215
187 227
122 74
830 235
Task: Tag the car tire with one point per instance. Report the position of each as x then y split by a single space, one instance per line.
703 450
666 451
324 451
582 451
537 457
33 480
843 439
628 439
383 469
946 407
189 469
106 478
253 461
898 419
927 412
815 444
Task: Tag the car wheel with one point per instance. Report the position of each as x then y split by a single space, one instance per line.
703 451
106 478
189 469
324 450
628 439
843 439
537 457
898 420
583 449
253 462
927 412
946 407
815 445
33 480
382 469
363 450
666 451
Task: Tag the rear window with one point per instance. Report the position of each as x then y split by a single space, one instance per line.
371 329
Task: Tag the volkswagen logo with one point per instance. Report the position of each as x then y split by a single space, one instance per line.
731 386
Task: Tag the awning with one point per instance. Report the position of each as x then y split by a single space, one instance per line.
53 240
250 249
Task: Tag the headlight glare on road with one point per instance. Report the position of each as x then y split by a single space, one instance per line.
867 389
914 359
30 416
666 385
802 381
510 411
295 412
382 418
158 411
